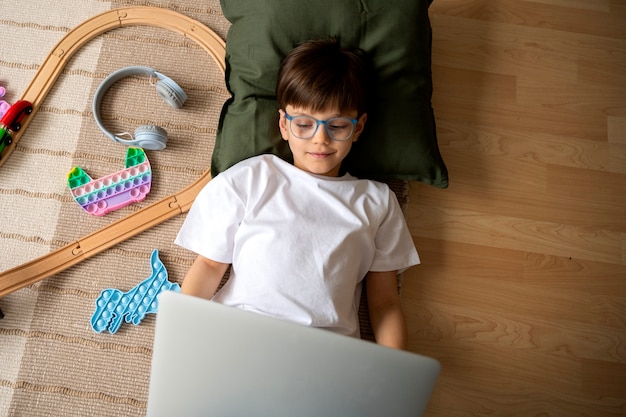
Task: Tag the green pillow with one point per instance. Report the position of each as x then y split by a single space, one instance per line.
399 141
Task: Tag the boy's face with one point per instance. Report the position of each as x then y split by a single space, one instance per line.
319 155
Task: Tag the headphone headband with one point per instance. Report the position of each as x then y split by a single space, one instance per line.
153 137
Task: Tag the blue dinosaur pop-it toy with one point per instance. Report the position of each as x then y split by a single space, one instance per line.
114 191
113 306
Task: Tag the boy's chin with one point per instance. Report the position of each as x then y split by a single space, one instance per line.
316 169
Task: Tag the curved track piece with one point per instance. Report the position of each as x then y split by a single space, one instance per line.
135 223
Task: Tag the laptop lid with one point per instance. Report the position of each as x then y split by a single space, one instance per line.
214 360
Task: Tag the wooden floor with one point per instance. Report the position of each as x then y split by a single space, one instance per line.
522 289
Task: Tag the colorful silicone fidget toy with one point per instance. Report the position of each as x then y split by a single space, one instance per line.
112 192
113 305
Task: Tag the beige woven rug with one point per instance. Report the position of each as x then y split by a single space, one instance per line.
51 362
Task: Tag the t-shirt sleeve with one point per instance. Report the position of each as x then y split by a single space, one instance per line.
210 226
394 245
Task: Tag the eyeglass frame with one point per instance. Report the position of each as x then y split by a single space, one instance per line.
321 122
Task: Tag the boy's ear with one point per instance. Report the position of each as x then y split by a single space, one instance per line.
360 125
282 125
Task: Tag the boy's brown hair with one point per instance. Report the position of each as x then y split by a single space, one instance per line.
320 74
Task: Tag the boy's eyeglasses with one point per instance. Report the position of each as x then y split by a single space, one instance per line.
337 128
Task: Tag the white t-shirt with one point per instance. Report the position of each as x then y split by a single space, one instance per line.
299 244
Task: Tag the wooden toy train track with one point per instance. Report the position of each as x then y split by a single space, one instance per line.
156 213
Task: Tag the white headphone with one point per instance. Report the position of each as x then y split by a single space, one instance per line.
149 137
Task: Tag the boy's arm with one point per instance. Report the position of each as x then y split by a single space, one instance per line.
203 278
386 316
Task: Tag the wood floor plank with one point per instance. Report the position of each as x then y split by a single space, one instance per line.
503 49
577 100
485 9
576 274
467 226
617 132
598 5
601 20
584 185
603 379
529 118
489 141
497 186
604 66
568 340
455 82
502 293
618 157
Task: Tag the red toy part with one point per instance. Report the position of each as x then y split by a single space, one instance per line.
16 113
10 122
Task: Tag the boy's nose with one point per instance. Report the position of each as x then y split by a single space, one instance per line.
321 136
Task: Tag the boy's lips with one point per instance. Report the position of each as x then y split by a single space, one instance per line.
320 155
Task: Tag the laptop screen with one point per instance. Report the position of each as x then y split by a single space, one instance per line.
214 360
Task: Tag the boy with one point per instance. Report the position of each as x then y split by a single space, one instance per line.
301 238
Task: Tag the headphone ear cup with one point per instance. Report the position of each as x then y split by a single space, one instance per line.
151 137
171 92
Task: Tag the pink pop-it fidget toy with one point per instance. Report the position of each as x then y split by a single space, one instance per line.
112 192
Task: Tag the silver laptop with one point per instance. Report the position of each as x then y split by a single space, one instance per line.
214 360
